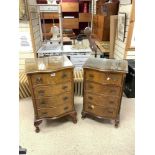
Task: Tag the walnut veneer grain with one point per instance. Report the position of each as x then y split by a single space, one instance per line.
51 84
103 88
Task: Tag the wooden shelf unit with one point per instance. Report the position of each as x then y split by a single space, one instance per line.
77 20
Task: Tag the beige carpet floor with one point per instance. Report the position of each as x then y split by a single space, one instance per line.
62 137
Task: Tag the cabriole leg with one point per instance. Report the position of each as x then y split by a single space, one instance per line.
73 116
36 124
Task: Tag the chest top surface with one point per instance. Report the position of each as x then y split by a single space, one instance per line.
112 65
47 64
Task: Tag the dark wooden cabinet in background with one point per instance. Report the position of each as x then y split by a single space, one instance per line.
101 21
103 88
101 28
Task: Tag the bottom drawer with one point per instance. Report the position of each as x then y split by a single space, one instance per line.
55 111
102 100
101 111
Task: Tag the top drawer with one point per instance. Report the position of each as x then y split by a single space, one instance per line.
104 77
70 6
51 78
48 15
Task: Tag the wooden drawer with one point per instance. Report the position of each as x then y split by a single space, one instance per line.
55 101
55 111
70 23
47 91
104 77
49 16
102 100
84 17
51 78
101 111
102 89
70 6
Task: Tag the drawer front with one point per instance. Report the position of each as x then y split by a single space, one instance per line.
101 111
55 101
102 89
102 100
47 91
104 77
84 17
51 78
49 16
55 111
70 7
71 23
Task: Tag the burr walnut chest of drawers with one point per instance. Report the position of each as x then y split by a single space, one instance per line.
51 84
103 88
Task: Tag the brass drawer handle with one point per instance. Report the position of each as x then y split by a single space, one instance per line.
64 75
111 102
65 98
64 87
53 74
41 92
89 97
44 113
112 91
90 86
65 108
108 78
42 102
91 75
38 79
91 107
109 111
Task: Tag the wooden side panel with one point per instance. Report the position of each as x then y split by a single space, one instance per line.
113 28
100 23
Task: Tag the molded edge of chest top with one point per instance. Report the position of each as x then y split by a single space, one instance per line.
102 64
47 64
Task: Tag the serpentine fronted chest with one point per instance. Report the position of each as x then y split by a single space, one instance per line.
103 88
51 84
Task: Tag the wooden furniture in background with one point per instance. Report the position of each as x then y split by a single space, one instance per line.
113 28
101 21
101 27
109 9
52 88
103 88
99 3
73 16
70 6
